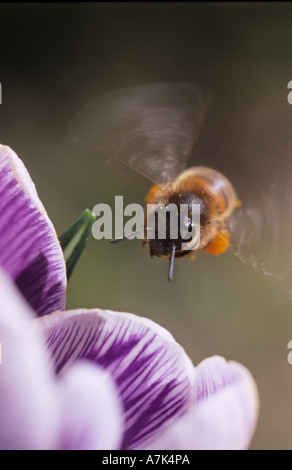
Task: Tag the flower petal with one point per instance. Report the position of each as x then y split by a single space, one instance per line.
154 376
224 415
29 407
30 250
92 416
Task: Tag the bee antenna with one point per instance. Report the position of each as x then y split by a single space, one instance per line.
171 263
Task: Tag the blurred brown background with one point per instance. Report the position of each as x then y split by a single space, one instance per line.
54 59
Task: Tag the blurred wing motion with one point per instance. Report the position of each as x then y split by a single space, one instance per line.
261 234
150 128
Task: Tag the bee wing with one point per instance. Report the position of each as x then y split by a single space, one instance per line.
261 234
150 128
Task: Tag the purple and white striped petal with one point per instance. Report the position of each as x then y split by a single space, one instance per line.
78 410
30 250
153 375
224 414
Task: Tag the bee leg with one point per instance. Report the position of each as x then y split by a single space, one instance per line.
219 244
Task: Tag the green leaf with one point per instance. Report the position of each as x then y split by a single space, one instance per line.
74 240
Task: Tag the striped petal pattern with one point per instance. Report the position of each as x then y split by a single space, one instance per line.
224 414
153 375
30 251
80 410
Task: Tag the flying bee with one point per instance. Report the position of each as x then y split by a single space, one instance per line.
216 198
152 129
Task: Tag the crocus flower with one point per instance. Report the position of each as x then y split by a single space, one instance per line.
96 379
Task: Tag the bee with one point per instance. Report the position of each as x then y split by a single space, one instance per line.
217 199
152 129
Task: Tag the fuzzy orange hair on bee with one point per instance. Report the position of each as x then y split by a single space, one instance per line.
217 200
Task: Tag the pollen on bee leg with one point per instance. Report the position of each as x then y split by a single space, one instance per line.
219 244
